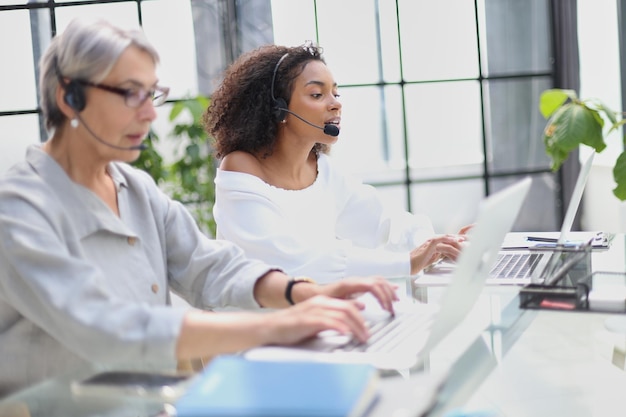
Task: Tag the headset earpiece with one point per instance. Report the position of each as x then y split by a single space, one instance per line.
75 96
279 109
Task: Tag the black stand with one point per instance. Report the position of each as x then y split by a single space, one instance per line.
564 283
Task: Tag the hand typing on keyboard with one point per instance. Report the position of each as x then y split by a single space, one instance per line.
373 311
391 332
373 314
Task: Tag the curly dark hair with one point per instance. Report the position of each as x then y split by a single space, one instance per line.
241 116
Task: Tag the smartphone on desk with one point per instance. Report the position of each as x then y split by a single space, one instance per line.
132 383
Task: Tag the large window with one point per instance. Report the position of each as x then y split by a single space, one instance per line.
440 107
439 97
26 28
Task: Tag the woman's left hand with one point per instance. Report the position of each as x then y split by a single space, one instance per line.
465 229
379 287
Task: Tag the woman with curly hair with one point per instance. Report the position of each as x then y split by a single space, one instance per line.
278 193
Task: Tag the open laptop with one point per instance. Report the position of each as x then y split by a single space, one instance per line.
517 264
400 342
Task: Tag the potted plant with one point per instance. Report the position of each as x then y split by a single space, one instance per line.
573 122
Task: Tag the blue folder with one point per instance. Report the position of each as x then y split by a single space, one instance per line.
235 386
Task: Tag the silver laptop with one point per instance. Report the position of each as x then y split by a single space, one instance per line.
516 263
403 341
521 267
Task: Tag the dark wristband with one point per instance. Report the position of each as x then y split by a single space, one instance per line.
291 283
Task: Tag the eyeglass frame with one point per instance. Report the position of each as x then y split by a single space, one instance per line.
128 93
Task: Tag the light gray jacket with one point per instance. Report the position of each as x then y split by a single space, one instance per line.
78 283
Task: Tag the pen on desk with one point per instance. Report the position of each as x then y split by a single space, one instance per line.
598 236
540 239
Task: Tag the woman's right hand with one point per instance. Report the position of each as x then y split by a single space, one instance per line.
307 318
434 249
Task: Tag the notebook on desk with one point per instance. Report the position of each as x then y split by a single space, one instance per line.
403 341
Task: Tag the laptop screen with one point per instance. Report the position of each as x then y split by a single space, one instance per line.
574 202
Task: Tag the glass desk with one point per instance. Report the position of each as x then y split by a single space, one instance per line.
544 363
500 360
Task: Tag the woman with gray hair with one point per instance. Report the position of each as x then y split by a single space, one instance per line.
90 247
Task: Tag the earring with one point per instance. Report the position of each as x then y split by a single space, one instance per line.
74 123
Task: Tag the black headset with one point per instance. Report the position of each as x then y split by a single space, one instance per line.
75 96
74 92
278 111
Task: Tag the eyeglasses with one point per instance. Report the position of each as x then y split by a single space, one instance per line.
134 97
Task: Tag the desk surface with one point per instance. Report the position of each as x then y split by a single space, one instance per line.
501 359
545 363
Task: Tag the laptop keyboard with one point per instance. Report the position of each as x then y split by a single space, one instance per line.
517 265
388 334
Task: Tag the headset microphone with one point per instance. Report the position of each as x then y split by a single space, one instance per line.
140 147
329 129
280 106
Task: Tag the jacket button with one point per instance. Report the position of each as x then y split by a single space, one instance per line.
132 240
155 288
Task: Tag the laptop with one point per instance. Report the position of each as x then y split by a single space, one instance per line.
403 341
516 263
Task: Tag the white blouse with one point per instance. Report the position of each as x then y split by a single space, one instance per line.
335 228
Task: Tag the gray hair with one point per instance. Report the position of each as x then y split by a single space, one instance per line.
84 51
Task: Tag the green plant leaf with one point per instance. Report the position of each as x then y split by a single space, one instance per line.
619 175
572 125
150 160
193 151
178 130
610 114
580 122
177 108
590 132
597 116
197 131
196 108
551 100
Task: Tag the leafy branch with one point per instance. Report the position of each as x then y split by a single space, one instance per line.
189 179
573 122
